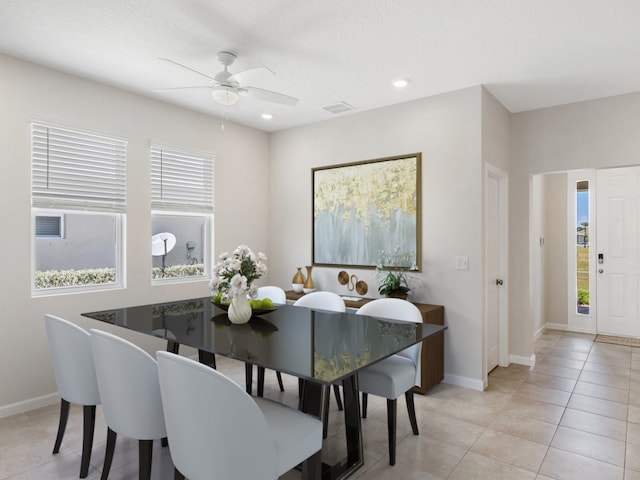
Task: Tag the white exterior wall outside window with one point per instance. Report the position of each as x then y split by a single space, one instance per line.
80 179
182 213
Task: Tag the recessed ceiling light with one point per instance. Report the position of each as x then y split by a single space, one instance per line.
401 83
267 116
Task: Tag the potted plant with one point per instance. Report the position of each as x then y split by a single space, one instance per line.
392 273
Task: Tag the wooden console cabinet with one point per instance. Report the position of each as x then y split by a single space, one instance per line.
432 360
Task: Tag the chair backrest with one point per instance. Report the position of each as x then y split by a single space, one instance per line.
322 300
396 309
72 360
129 389
276 294
215 429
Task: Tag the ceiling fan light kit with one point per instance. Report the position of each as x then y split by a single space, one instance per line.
224 95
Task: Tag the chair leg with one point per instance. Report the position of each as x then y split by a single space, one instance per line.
391 426
173 347
108 456
411 408
312 467
207 358
89 423
364 404
280 384
62 424
248 379
145 453
177 475
164 442
336 391
260 381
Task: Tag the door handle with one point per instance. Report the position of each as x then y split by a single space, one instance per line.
601 271
499 281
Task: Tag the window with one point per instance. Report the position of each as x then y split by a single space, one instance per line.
49 226
582 247
78 197
182 207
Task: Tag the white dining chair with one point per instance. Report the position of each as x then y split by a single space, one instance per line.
72 361
323 300
396 374
128 383
278 297
217 430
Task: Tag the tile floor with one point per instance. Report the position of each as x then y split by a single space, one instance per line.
574 415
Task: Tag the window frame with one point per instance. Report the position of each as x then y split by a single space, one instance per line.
113 203
184 197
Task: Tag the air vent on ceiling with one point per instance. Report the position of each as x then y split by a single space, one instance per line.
339 107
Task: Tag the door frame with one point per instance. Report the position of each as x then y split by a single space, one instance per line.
578 322
503 321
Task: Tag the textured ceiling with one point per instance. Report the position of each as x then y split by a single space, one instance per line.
528 53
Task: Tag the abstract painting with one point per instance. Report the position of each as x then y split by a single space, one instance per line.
363 209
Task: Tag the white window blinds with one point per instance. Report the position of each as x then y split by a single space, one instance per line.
77 170
181 181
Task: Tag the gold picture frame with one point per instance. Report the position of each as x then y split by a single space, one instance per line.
362 209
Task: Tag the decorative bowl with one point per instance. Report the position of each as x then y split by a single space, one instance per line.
254 311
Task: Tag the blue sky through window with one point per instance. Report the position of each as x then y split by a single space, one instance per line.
582 210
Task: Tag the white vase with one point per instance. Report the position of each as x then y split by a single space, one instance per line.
239 310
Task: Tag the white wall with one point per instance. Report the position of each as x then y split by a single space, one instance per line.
446 129
538 185
28 93
595 134
555 267
549 250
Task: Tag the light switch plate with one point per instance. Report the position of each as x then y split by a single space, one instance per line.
462 263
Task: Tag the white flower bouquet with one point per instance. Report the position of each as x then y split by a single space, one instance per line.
234 274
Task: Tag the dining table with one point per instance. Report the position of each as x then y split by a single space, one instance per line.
318 347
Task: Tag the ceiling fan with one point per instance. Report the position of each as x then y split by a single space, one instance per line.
226 87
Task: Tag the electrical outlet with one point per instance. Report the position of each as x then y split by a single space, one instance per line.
462 263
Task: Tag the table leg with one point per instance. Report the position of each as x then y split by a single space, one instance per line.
312 402
352 421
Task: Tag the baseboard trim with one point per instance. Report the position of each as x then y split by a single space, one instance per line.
31 404
466 382
557 326
521 360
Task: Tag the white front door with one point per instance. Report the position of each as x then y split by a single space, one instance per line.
617 255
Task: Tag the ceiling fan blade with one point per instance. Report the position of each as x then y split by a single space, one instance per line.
187 68
246 75
267 95
171 89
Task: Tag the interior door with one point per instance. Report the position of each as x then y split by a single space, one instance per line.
617 256
494 279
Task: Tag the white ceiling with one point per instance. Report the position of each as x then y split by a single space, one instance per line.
528 53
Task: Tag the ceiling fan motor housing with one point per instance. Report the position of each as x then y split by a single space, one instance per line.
226 58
